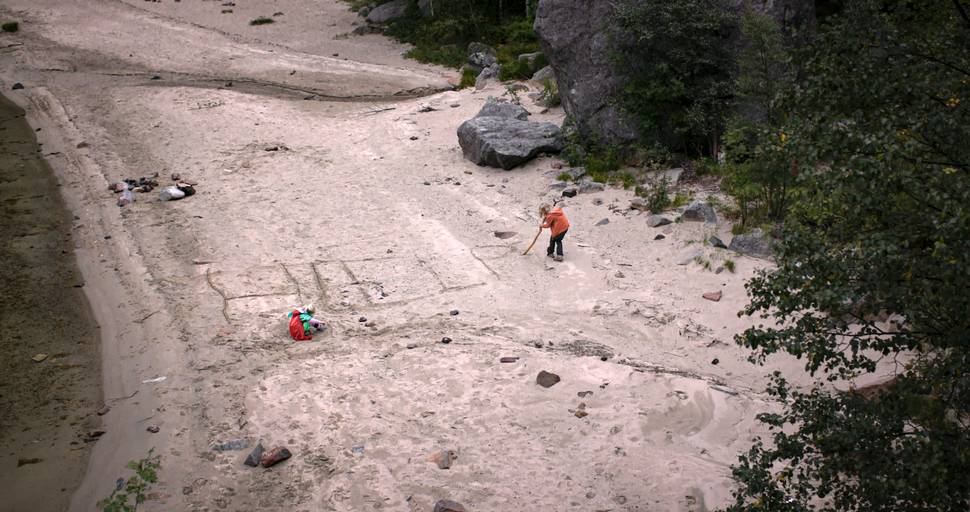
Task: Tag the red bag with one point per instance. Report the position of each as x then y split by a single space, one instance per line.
296 328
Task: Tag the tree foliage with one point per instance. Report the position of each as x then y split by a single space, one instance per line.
677 62
879 127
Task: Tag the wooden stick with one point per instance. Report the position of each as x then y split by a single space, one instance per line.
533 242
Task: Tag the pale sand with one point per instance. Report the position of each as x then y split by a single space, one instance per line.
338 216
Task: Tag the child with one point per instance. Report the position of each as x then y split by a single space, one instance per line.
301 320
557 223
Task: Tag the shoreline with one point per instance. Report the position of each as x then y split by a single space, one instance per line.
51 405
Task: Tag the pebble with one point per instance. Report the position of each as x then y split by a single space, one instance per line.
252 460
448 506
603 222
274 456
411 346
369 324
443 458
508 360
659 237
715 361
713 296
453 312
446 340
362 319
153 429
17 86
546 379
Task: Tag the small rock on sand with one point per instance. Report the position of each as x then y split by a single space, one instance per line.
713 296
18 86
508 360
443 458
274 456
603 222
659 237
717 242
252 460
546 379
448 506
656 221
446 340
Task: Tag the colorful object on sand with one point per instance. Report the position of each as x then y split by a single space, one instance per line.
302 323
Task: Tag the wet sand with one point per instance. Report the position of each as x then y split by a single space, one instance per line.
46 407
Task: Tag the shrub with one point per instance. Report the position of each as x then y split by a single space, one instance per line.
468 77
564 176
262 20
730 265
129 494
658 197
11 26
550 93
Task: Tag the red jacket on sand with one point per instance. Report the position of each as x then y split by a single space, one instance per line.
556 221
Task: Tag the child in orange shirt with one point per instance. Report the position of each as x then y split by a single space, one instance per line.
557 223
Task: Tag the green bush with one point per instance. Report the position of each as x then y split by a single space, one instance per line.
133 492
550 93
564 176
468 77
11 26
658 197
262 20
730 266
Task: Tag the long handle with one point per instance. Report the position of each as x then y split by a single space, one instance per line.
533 242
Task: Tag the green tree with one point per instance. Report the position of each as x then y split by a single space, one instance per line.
677 61
880 128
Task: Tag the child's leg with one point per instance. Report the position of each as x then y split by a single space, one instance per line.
552 245
559 243
316 324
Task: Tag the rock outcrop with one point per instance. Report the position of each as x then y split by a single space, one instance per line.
388 12
578 39
754 243
498 136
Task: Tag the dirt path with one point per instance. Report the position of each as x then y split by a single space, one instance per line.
49 372
367 209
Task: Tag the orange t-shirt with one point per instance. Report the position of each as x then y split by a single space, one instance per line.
556 221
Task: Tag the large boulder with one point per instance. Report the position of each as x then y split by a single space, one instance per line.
500 137
699 212
575 36
578 37
754 243
496 108
386 13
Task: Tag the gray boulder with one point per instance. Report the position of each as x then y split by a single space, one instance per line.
754 243
496 108
699 212
388 12
575 36
507 142
487 74
481 60
533 60
579 38
655 221
544 74
589 186
716 242
574 172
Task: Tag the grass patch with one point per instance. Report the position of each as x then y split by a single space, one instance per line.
134 491
680 199
730 265
262 20
468 77
564 176
10 26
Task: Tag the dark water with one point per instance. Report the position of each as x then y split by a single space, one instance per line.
46 407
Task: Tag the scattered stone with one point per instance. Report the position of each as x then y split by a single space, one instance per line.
274 456
590 186
38 358
603 222
24 462
699 212
443 458
544 74
446 340
574 172
558 185
153 429
362 319
176 176
639 203
689 256
755 243
426 108
504 109
659 237
713 296
82 145
488 74
715 361
570 192
619 274
504 235
252 460
369 324
234 445
390 11
104 410
358 450
18 86
581 413
414 137
93 436
655 221
546 379
584 394
427 183
719 270
716 242
509 360
453 312
448 506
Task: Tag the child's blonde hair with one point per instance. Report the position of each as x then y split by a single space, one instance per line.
544 210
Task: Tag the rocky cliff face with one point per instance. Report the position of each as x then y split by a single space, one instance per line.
577 37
